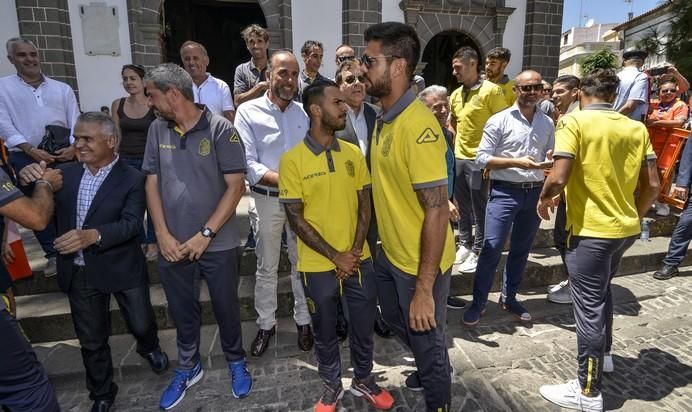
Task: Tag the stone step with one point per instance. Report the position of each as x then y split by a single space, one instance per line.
46 317
660 226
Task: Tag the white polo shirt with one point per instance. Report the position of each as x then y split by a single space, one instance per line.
215 94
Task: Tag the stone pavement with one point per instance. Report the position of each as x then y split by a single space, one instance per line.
499 365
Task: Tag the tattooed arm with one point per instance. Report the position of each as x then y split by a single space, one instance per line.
344 261
364 214
422 308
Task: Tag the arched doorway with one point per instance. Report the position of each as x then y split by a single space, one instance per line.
437 56
217 25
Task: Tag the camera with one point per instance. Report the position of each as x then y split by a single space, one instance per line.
657 71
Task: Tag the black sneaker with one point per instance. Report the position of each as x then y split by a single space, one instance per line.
666 272
455 302
413 382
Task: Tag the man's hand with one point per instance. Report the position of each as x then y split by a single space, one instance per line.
545 205
170 247
262 86
527 162
7 253
65 154
195 246
54 177
31 173
41 155
347 262
421 311
341 275
76 240
680 192
454 215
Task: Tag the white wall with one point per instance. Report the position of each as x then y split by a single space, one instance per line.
8 28
317 20
98 77
513 38
391 11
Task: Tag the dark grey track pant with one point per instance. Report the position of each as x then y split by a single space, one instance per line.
592 263
323 292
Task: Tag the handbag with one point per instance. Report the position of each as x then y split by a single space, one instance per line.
56 138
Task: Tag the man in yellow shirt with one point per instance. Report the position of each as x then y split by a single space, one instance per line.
409 184
471 106
603 220
496 62
324 186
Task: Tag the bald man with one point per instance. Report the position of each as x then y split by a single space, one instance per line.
516 146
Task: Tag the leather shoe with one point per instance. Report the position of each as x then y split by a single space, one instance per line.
305 339
102 405
666 272
261 342
158 360
381 327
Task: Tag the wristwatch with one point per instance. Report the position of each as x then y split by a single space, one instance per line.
207 232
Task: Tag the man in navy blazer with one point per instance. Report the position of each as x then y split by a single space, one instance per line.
99 213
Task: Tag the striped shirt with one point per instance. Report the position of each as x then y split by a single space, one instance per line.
88 187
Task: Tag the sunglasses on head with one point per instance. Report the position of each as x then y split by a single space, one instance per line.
342 59
526 88
351 79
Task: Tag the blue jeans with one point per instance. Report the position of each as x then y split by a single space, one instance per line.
681 238
147 236
508 209
46 237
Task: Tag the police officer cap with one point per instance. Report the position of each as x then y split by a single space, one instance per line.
634 54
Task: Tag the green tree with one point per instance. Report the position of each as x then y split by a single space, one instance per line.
601 59
678 48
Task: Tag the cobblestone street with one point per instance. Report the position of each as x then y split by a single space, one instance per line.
499 366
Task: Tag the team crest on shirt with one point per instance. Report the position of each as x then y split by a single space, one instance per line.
428 136
476 100
350 168
386 145
204 147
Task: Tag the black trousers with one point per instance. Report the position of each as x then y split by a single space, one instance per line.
471 194
359 292
92 322
220 270
395 290
592 263
24 385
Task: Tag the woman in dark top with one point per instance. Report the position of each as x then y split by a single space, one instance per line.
133 116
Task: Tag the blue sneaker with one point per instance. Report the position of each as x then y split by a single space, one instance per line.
183 379
473 315
241 380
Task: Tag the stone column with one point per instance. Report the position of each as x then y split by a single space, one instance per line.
542 36
358 15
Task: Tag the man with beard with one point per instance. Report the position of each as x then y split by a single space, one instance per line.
269 126
324 186
516 146
250 79
209 91
496 62
409 179
195 169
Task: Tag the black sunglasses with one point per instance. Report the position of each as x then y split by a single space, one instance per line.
352 79
530 88
368 61
342 59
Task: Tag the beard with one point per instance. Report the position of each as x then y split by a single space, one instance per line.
381 87
282 94
332 124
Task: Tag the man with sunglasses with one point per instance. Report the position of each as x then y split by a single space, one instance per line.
409 180
516 146
671 111
344 53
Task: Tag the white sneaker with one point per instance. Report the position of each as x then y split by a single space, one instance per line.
462 254
560 293
568 395
662 209
608 365
469 265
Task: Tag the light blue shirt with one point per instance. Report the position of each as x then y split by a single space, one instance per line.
634 85
509 134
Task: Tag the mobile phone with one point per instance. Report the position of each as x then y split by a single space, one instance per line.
657 71
546 163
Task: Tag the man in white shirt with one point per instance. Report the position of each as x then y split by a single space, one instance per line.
270 125
30 101
632 97
209 91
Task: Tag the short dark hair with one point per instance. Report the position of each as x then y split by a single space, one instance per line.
309 45
571 81
465 54
398 39
602 83
314 93
499 53
135 68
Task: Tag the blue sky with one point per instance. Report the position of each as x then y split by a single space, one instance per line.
603 11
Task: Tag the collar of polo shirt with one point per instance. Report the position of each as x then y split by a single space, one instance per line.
398 107
599 106
317 148
203 122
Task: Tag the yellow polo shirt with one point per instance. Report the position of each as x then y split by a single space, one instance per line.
608 149
327 182
407 154
471 112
